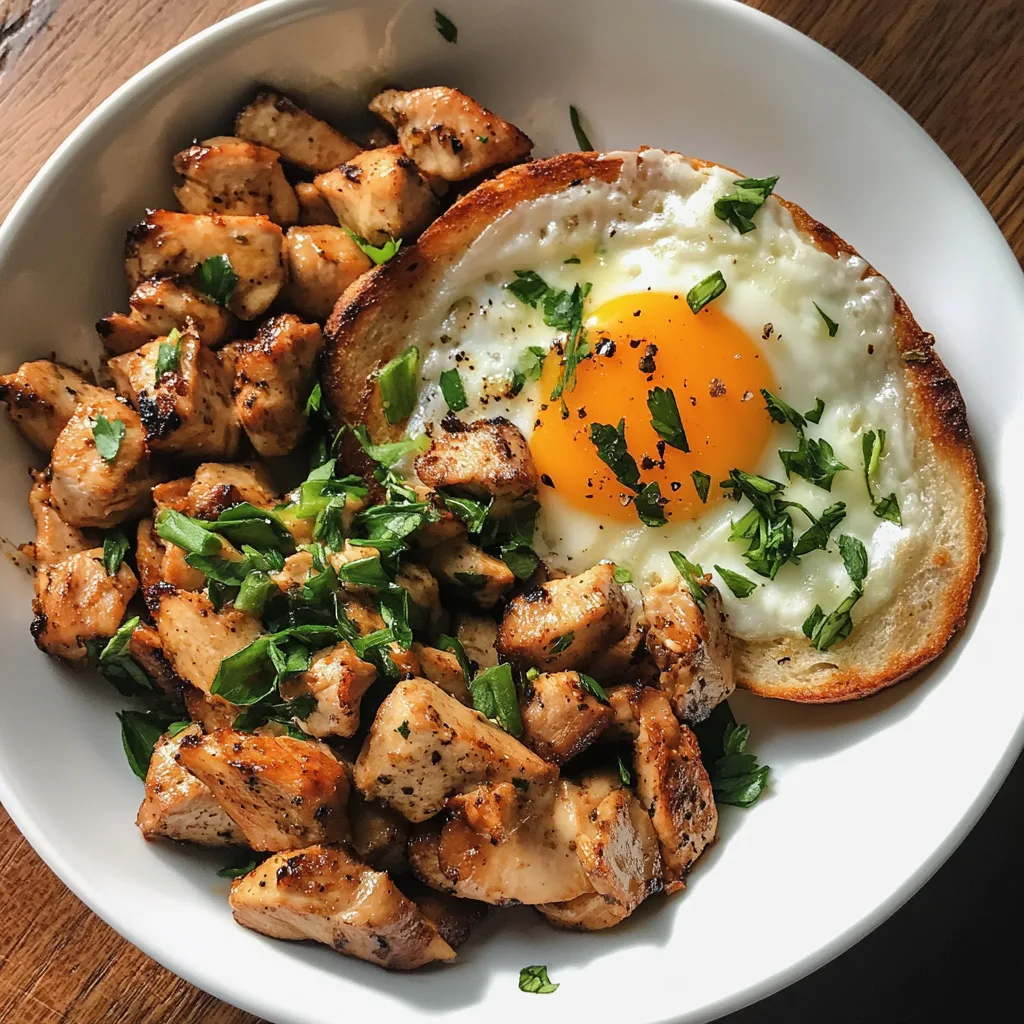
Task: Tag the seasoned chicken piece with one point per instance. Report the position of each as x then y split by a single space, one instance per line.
468 569
282 793
101 482
158 307
77 601
337 678
167 243
624 726
425 610
628 660
175 570
485 459
149 553
211 712
41 397
379 835
172 494
322 262
380 195
54 538
195 637
323 893
447 526
560 717
691 648
145 647
314 210
274 377
229 175
454 918
448 133
274 121
187 410
448 749
565 623
443 669
178 806
478 636
220 485
672 785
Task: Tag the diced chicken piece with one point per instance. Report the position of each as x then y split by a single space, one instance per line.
447 526
172 494
443 669
423 856
380 195
210 711
220 485
274 121
314 210
77 601
463 566
229 175
565 623
560 717
322 262
89 490
167 243
672 785
425 611
41 397
337 679
274 377
379 835
186 410
158 307
54 538
478 636
175 570
485 459
325 894
449 748
178 806
691 648
149 553
628 660
282 793
454 918
195 637
146 649
448 133
624 726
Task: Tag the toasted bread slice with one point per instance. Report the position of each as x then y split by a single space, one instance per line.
369 326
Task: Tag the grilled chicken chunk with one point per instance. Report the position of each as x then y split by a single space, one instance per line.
187 410
560 717
54 538
672 785
178 806
448 749
443 669
478 636
314 210
89 490
337 678
322 262
158 307
282 793
77 601
41 398
485 459
379 835
167 243
145 647
449 134
217 486
323 893
691 648
464 567
565 623
274 121
425 610
229 175
274 377
380 195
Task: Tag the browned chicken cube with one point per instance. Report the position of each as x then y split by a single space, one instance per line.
325 894
673 785
464 567
565 623
283 793
425 610
217 486
41 398
485 459
322 262
145 647
560 717
77 601
187 409
54 538
443 669
229 175
158 307
314 210
337 679
274 121
178 806
101 470
478 636
424 745
379 835
168 243
448 133
380 195
273 379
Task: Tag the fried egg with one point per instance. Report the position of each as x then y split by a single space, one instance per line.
769 331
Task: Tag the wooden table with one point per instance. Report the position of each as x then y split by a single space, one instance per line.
958 67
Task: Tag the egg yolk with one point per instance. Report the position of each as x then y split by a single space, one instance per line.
637 343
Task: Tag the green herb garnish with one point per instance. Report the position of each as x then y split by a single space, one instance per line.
115 547
108 435
446 27
701 484
217 278
825 630
830 324
398 381
855 558
665 418
704 291
736 582
379 254
582 140
494 696
535 979
693 577
454 390
748 196
168 355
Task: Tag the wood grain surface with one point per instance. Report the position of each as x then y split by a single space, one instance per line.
957 67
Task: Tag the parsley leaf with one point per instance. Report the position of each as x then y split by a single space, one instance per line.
379 254
168 355
855 558
889 508
825 630
816 536
115 547
815 414
649 505
403 730
592 686
562 643
531 362
873 447
665 418
535 979
398 382
767 526
176 528
582 140
446 27
736 582
140 731
814 460
612 451
217 278
391 452
494 696
747 197
454 646
701 484
237 870
780 412
622 574
624 773
108 435
704 291
454 390
830 324
693 577
736 777
315 400
472 512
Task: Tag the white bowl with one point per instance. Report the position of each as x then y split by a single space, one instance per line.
866 799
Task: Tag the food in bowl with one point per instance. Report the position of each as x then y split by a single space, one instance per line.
464 490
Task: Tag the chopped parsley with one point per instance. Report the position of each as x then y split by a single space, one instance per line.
873 447
115 547
704 291
168 355
739 206
624 773
767 526
701 484
665 418
693 577
398 381
582 139
535 979
217 278
237 870
825 630
622 574
494 696
379 254
830 325
562 643
736 582
889 508
592 686
610 443
140 731
454 390
108 435
855 558
736 777
403 730
816 536
815 414
446 27
649 505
